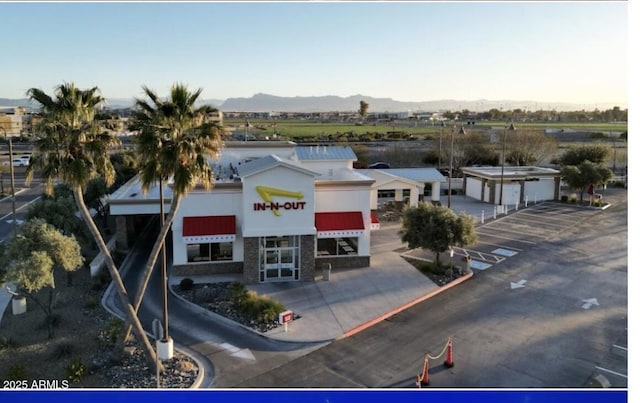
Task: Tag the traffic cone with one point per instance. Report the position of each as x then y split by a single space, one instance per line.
423 380
449 361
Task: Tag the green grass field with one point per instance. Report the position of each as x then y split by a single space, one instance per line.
421 130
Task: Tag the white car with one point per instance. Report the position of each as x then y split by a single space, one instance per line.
17 162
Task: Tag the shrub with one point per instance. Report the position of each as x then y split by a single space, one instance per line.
260 307
75 370
186 284
573 198
238 293
113 329
6 342
564 198
62 350
17 372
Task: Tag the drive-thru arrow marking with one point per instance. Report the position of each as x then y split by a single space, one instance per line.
519 284
589 302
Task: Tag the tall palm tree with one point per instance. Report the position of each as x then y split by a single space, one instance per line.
175 139
71 146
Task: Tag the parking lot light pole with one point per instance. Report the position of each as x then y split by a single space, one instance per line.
461 131
13 184
511 127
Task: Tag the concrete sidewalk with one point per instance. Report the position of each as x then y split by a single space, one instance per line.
350 301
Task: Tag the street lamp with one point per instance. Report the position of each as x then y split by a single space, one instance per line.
511 127
461 131
442 126
13 185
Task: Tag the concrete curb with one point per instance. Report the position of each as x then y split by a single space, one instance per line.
111 294
409 304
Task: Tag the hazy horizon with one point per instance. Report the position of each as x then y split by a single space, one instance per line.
546 52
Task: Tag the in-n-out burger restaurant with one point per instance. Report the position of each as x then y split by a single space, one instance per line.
275 213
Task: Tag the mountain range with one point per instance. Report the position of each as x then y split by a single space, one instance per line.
331 103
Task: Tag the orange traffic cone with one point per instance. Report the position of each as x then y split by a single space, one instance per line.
449 361
423 379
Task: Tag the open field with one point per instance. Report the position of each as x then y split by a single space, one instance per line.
418 129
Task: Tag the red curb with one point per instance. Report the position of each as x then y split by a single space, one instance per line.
401 308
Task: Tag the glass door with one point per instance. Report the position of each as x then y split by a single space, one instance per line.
280 259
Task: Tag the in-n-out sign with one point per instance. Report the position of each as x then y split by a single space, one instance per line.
267 193
284 318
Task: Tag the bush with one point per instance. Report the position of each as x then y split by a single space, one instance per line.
186 284
564 198
17 372
238 293
75 370
573 198
260 307
113 329
6 343
62 350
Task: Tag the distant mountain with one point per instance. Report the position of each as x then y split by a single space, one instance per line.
331 103
267 103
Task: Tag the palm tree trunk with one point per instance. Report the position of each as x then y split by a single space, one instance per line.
115 276
153 258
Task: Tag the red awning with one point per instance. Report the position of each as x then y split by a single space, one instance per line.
375 223
339 224
209 229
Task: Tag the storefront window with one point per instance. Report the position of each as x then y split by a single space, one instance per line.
210 252
337 246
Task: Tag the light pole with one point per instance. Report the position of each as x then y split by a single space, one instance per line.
511 127
13 185
461 131
442 126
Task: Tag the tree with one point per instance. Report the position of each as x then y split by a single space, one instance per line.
529 147
364 110
71 146
436 228
585 174
175 140
596 153
60 213
31 257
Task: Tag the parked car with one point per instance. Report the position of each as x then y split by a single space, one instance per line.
379 165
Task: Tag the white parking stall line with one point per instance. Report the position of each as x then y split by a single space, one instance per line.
620 347
500 245
504 237
554 219
484 256
546 222
516 232
612 372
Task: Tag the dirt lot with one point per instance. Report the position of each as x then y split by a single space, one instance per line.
80 353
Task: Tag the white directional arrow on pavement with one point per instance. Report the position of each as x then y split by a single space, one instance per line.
589 302
519 284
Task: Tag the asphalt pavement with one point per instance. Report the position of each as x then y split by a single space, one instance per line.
350 301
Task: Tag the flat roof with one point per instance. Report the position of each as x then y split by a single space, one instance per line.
511 172
421 175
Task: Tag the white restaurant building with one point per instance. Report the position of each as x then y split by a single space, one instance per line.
276 212
279 211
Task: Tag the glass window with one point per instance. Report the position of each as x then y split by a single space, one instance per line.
337 246
210 252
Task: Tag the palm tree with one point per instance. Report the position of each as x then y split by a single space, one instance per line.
175 140
71 146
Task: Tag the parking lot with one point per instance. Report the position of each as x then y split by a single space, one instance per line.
554 250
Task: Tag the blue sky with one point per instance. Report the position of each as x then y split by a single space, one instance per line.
409 51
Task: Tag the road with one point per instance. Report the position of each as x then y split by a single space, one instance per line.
553 315
25 196
228 351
